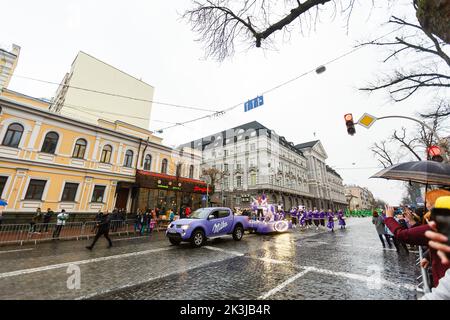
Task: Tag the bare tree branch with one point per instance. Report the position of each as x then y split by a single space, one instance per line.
402 84
220 24
409 145
384 156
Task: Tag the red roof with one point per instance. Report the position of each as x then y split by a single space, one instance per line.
166 176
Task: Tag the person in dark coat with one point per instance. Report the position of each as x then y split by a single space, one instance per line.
103 229
47 217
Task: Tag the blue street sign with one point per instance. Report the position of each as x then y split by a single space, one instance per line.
254 103
203 198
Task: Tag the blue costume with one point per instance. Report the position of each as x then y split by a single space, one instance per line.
341 219
330 224
322 215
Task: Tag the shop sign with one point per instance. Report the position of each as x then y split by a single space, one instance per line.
200 189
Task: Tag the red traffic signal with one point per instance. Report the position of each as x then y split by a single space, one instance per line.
350 124
435 153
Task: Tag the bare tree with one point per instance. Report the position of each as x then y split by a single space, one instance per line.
434 16
417 141
222 23
440 112
403 82
384 156
214 175
410 144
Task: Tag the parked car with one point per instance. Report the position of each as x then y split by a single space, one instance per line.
207 223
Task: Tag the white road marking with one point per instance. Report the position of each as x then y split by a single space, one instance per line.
142 281
347 275
66 264
18 250
282 285
235 253
364 278
123 239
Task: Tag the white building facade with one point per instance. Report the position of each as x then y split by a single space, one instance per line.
8 63
252 160
95 90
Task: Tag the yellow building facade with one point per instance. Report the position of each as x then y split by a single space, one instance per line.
52 161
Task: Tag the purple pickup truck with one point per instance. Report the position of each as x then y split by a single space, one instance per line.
207 223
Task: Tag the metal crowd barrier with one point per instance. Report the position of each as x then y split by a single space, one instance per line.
20 233
14 233
423 278
48 231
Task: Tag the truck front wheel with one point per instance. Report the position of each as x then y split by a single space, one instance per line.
238 233
197 239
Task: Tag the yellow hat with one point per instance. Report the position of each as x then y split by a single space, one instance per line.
442 203
432 195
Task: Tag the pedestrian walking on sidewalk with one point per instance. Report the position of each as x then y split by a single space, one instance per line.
102 230
60 223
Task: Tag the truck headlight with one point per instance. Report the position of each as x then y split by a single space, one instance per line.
185 227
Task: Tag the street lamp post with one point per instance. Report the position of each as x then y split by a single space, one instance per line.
367 120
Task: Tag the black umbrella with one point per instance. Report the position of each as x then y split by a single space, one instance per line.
426 172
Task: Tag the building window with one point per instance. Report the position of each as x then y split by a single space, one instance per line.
69 192
252 147
179 168
238 181
147 162
2 185
106 154
191 172
35 189
80 149
164 166
225 167
225 183
50 142
13 135
253 179
98 194
128 162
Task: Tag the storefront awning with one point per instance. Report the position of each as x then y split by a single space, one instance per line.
151 180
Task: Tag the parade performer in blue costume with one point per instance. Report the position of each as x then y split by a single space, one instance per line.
309 217
330 224
316 218
294 217
302 217
341 219
322 215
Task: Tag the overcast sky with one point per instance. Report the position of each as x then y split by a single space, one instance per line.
149 40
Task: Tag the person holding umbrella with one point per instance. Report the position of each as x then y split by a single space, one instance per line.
416 236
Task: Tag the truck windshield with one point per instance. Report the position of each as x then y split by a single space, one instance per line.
201 213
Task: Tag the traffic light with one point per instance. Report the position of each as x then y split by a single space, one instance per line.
434 153
350 124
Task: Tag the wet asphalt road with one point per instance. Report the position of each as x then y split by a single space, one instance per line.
346 264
